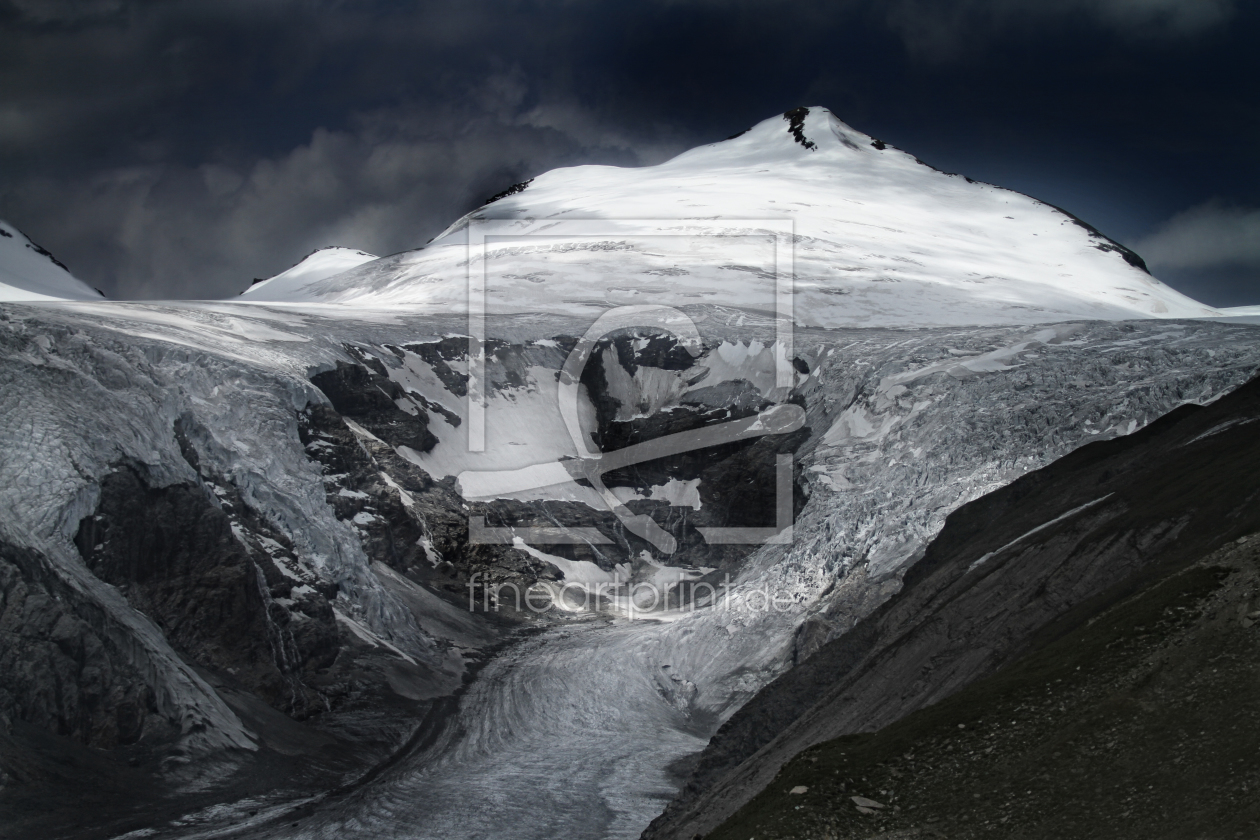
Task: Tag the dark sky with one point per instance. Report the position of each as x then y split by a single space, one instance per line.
180 148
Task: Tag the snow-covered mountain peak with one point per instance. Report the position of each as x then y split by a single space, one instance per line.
29 272
323 262
811 136
879 239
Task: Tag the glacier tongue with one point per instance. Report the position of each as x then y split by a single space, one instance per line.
573 731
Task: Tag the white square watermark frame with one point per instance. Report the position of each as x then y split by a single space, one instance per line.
483 233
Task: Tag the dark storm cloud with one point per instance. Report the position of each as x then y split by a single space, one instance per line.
180 148
946 30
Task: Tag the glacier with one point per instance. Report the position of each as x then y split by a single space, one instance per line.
575 729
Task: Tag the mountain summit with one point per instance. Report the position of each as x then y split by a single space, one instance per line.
315 266
880 239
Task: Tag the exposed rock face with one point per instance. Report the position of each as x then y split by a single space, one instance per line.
61 674
647 386
220 601
640 386
403 517
370 399
368 484
1051 549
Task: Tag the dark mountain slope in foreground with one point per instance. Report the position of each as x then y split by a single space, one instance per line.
1009 575
1143 723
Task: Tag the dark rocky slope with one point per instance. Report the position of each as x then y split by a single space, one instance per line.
63 672
1037 557
172 552
1142 722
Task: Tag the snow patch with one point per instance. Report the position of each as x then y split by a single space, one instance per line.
1073 512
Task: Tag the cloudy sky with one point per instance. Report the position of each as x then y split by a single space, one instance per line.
181 148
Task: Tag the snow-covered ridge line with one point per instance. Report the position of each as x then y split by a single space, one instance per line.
879 239
30 273
315 266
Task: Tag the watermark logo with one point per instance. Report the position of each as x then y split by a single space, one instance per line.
590 466
626 597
